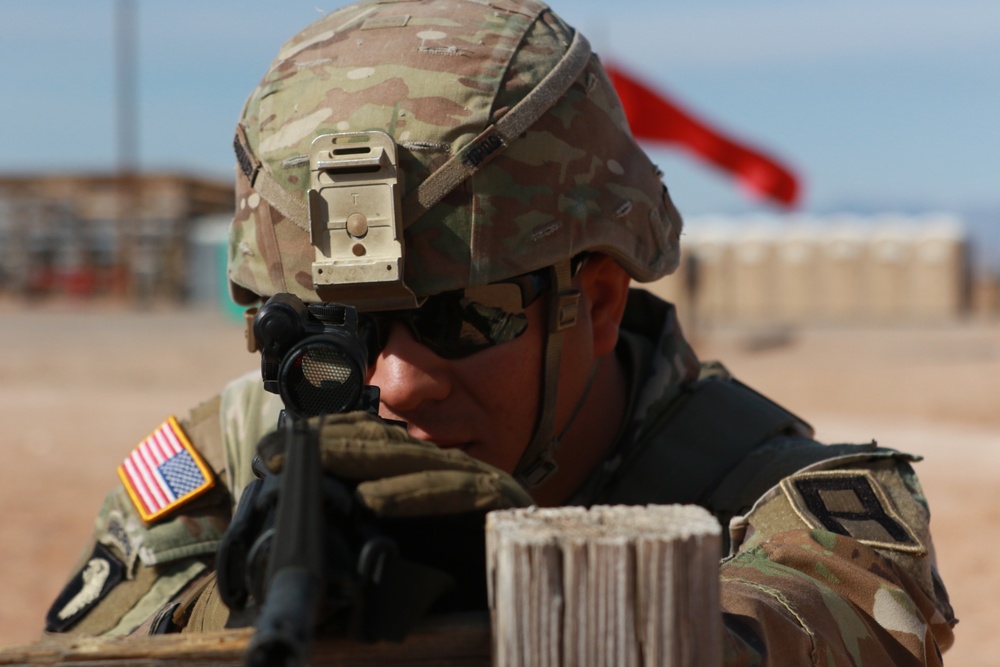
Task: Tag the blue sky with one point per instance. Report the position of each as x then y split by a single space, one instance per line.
885 104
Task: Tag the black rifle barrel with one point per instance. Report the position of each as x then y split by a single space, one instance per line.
295 574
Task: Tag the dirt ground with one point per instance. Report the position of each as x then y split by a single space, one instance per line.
80 384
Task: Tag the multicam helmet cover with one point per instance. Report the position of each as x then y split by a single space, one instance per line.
433 75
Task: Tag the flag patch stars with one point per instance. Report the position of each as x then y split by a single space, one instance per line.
164 471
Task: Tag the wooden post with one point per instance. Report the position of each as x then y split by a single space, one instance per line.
613 586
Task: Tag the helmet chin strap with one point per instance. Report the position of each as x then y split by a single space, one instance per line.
537 463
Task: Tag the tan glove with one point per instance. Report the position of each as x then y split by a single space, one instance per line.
402 476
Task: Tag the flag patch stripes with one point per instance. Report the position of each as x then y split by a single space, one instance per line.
164 471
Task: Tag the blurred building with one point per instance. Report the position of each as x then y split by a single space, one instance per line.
85 234
163 236
831 269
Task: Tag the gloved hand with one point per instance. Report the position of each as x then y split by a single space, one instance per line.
400 475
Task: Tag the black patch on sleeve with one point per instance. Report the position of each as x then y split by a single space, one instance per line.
853 504
102 572
870 508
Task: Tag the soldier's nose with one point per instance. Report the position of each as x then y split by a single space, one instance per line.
408 374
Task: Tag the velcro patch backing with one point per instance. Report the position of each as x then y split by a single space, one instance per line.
164 471
850 503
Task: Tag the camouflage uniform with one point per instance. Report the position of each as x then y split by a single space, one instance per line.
830 560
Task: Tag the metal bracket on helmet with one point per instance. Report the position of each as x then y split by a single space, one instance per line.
356 223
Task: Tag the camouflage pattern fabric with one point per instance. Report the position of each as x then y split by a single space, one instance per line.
433 75
817 598
860 588
246 414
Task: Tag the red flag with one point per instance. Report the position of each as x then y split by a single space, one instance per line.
652 116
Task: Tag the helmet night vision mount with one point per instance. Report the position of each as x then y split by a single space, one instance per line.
355 221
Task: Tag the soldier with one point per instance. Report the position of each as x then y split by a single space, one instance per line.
499 209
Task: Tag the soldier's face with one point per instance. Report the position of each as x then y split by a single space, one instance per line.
484 404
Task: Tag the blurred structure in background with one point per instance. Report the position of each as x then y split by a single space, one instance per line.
148 238
125 236
831 270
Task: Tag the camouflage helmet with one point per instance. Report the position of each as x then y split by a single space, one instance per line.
547 167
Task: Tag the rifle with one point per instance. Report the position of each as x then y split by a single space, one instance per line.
299 544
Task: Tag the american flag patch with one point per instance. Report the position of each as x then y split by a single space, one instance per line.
164 471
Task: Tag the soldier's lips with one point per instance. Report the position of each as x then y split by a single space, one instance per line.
446 443
441 441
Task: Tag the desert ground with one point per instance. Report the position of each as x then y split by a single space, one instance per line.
82 382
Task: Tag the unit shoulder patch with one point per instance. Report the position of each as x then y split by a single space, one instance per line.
164 471
850 503
102 572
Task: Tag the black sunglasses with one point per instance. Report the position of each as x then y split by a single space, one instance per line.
457 324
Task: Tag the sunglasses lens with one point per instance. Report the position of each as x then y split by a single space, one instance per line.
457 324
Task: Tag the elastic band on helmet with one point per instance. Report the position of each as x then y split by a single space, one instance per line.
495 138
266 186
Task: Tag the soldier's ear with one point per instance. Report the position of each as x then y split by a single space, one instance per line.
604 285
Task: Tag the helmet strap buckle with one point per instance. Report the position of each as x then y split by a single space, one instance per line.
537 462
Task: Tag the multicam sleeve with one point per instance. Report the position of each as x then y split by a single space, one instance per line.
835 566
139 561
246 414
